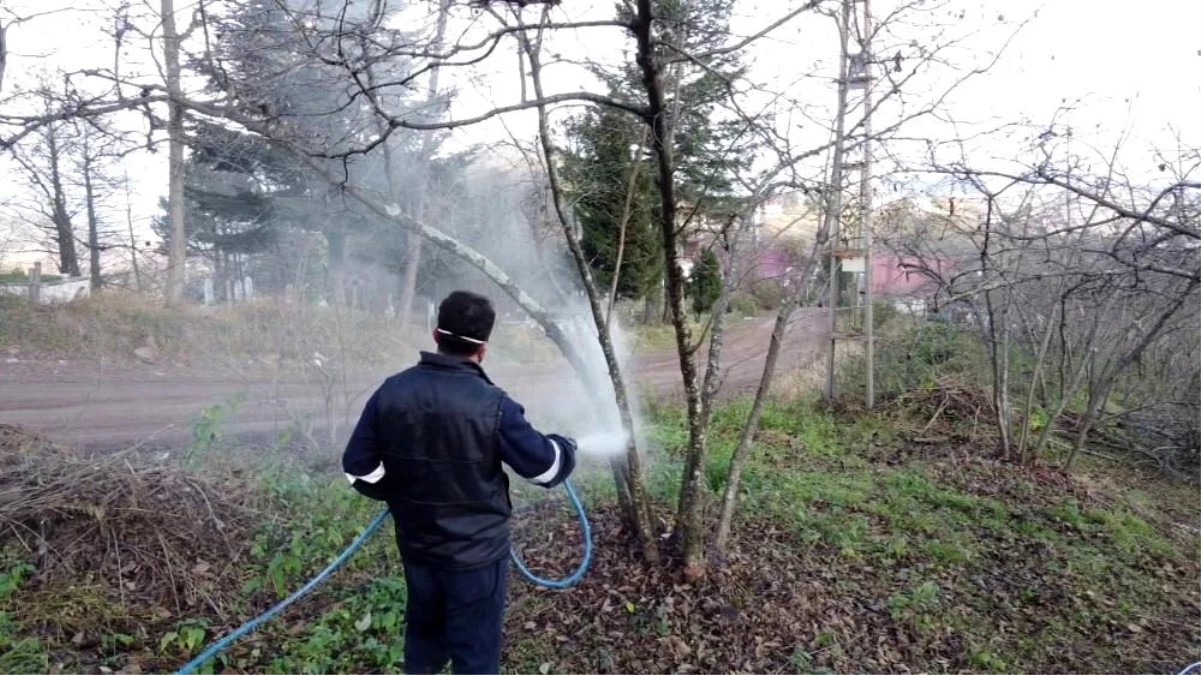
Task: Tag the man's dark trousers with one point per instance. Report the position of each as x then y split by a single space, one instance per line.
456 616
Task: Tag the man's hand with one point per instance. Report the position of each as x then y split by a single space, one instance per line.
567 449
566 444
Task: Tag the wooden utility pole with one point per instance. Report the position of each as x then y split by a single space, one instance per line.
849 228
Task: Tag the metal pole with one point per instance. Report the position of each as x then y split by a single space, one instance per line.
834 196
865 208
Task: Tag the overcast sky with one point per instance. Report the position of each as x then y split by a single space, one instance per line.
1129 68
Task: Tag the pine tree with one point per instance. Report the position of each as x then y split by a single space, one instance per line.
705 285
597 171
708 149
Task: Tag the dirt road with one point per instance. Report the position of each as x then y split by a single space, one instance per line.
89 405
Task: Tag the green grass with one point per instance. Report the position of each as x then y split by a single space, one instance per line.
817 476
20 277
1015 576
18 653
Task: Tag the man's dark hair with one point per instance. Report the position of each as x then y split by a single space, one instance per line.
465 323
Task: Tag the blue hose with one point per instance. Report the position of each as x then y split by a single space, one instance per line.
566 582
245 628
573 578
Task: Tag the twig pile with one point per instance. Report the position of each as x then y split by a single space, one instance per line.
150 537
952 411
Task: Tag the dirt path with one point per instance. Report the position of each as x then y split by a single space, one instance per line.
88 405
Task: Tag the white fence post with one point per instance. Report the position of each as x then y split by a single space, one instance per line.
35 283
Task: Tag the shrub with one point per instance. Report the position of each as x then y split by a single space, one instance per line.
706 282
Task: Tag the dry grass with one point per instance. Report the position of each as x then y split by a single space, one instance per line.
265 335
810 377
143 540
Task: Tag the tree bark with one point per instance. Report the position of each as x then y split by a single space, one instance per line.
93 225
133 240
177 251
64 229
660 134
408 288
626 212
631 473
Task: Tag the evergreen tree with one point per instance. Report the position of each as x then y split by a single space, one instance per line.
705 284
250 201
709 150
597 170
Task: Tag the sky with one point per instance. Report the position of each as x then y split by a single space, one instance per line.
1129 70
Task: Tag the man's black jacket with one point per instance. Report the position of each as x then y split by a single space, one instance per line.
430 442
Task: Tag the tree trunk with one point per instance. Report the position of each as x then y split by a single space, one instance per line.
93 225
1001 388
1036 378
1069 386
660 134
1108 380
336 241
64 229
626 211
133 240
631 473
1096 402
694 517
3 53
408 288
177 251
729 501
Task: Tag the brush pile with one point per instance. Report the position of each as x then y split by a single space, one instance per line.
148 540
949 406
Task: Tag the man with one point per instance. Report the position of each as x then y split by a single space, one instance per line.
430 443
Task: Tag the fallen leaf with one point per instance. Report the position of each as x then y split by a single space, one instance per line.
364 623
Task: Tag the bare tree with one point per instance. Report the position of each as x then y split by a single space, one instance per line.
177 245
408 286
1090 292
628 477
45 164
355 50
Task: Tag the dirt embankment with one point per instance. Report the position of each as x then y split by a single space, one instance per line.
109 377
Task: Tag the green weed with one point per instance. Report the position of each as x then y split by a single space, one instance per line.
18 654
364 632
186 640
208 428
917 605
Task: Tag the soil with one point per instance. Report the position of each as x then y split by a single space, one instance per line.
104 406
768 607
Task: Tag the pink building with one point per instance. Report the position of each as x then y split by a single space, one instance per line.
898 276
